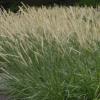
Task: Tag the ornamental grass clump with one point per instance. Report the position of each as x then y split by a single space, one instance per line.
51 54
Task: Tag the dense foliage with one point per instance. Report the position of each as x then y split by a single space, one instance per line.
13 4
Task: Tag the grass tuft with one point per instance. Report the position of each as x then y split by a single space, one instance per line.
51 54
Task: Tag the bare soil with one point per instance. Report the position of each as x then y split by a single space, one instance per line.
3 97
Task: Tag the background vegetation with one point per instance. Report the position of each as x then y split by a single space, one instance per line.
13 4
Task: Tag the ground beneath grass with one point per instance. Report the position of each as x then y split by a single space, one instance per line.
3 96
